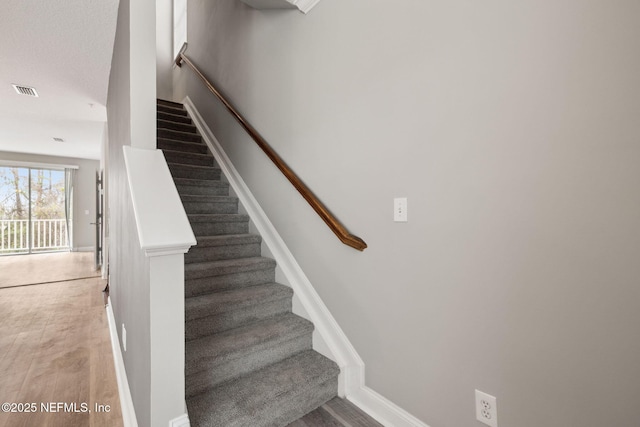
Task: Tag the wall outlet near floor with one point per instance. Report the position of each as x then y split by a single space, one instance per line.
486 409
124 338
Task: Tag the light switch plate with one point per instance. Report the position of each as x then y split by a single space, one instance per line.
400 209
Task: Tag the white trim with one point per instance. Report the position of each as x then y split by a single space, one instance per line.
352 368
166 250
36 165
382 409
181 421
162 223
304 5
126 402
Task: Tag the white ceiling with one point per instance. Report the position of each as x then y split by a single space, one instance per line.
62 48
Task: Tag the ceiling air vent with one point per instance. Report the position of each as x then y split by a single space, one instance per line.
25 90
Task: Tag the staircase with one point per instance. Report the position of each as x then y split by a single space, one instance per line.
248 359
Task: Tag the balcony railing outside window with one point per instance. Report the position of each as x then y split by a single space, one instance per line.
46 235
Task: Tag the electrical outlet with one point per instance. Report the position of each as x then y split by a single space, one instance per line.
124 338
486 409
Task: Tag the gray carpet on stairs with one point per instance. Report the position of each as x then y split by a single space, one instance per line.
249 360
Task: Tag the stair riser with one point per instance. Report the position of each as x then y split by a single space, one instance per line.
295 391
171 110
217 253
189 158
223 268
167 102
179 136
174 118
184 147
205 285
219 228
225 321
179 171
203 375
293 409
202 191
210 207
182 127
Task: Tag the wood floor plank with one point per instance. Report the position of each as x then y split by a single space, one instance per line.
317 418
38 268
336 413
55 347
349 413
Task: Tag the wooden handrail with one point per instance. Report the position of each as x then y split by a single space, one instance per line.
331 221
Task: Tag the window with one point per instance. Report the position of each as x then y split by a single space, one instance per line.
34 210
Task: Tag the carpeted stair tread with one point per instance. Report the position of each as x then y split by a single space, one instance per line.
224 246
195 218
171 110
221 205
225 301
179 135
181 170
272 396
218 224
196 182
182 146
218 349
220 268
207 199
228 239
209 204
182 127
188 166
192 159
197 185
174 117
257 307
223 310
169 103
187 154
178 111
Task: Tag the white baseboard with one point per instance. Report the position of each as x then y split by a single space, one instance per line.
126 403
352 369
382 409
181 421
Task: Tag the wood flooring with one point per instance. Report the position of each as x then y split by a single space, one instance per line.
336 413
55 349
55 355
20 270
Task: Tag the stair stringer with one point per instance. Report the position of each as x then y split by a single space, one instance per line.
328 338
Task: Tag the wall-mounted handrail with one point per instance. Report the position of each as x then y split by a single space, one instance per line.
331 221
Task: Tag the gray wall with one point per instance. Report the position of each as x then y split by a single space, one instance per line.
512 128
164 48
84 234
131 121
